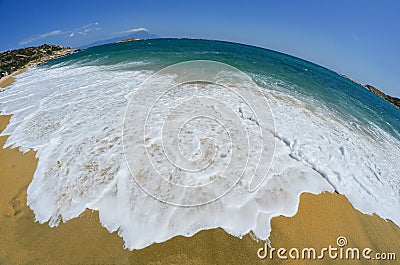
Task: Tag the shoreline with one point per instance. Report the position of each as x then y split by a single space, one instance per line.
9 79
319 221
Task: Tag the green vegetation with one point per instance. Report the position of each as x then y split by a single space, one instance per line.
11 61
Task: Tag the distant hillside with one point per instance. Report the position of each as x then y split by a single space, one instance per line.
137 35
393 100
128 40
11 61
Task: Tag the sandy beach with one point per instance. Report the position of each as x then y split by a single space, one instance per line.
8 80
320 220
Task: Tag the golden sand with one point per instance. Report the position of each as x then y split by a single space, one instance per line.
318 223
8 80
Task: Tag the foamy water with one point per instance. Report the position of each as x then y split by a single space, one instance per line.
72 114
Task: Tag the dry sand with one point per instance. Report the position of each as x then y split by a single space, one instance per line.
319 221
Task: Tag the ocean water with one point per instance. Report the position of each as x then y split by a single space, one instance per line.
328 134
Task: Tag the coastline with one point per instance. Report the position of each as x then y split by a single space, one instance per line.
392 100
319 221
8 80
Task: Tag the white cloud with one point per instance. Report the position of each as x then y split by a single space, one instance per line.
90 25
85 31
41 36
134 30
87 28
71 33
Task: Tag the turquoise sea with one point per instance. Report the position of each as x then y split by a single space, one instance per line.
328 134
287 73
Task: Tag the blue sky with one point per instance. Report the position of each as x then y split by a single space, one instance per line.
356 38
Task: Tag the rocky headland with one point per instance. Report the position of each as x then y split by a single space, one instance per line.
392 100
11 61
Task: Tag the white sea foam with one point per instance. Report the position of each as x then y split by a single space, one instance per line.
72 115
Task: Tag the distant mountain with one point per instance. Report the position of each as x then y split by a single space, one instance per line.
139 35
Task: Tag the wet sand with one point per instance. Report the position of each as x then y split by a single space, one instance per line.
8 80
319 221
